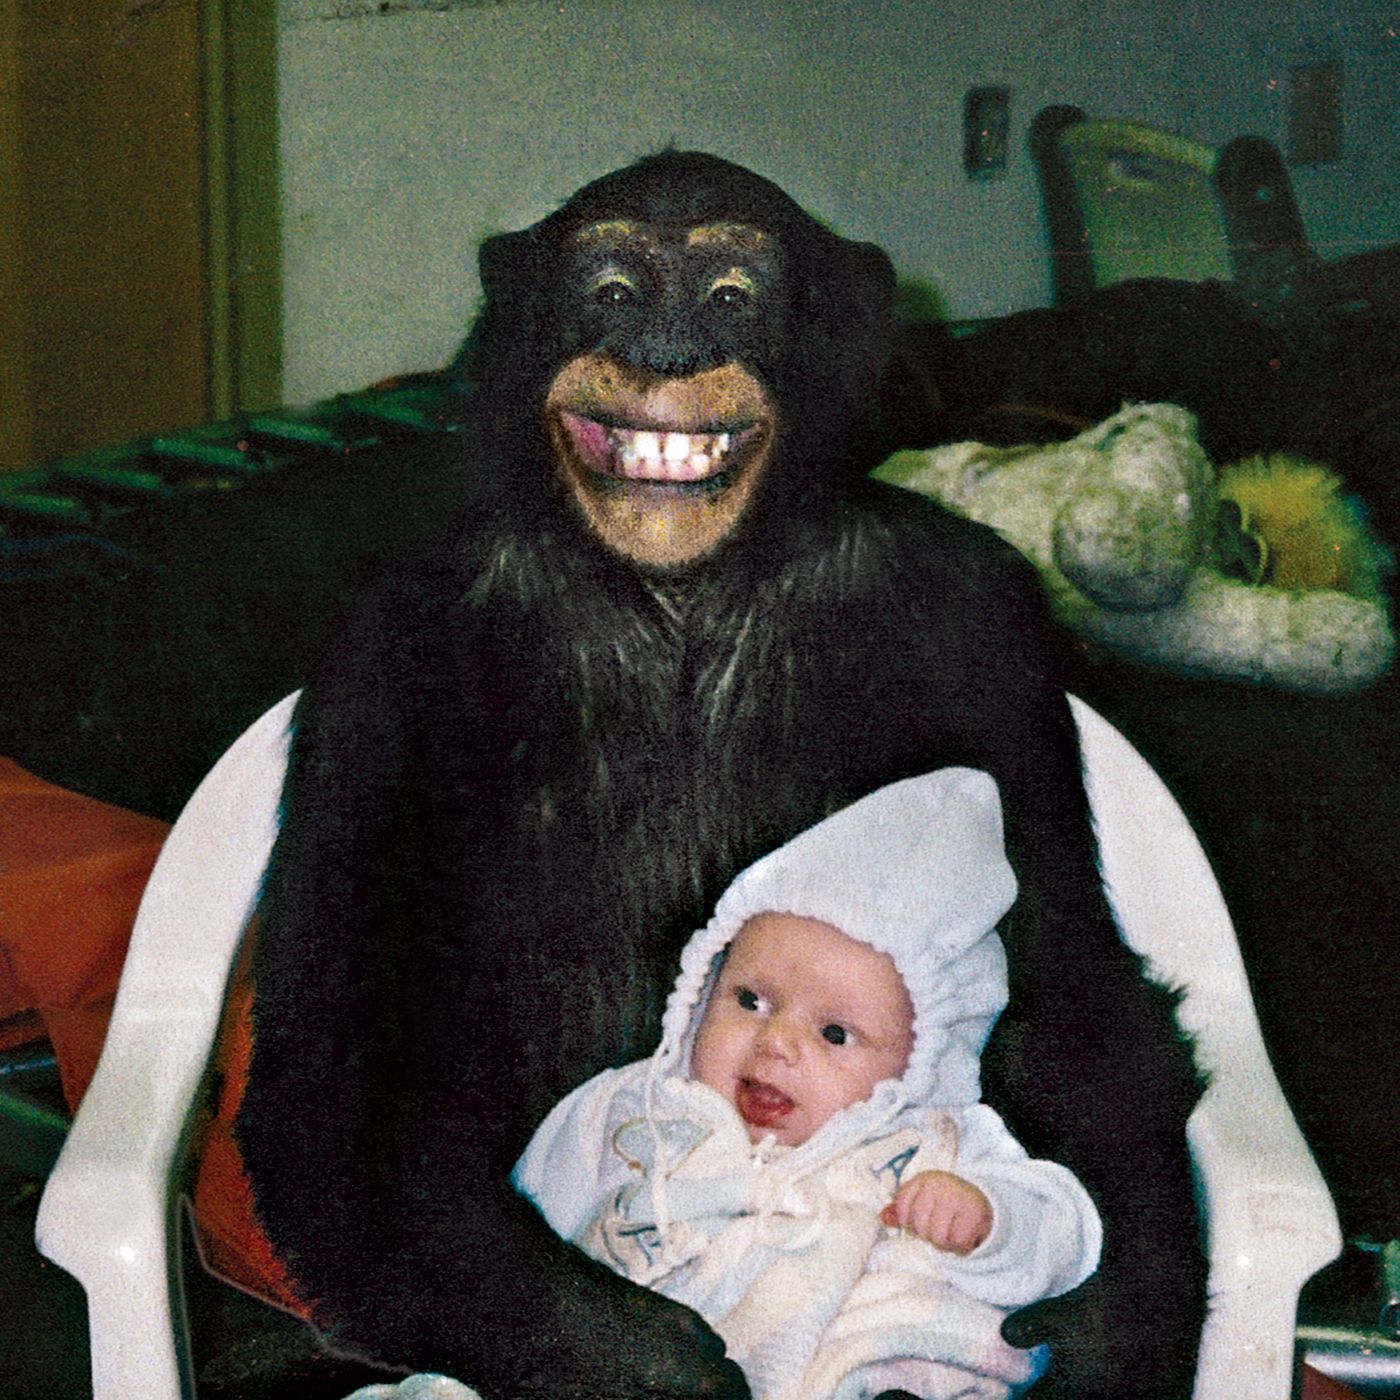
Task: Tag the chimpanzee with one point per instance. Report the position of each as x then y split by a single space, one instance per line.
675 625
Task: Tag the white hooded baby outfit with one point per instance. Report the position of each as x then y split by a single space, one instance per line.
781 1249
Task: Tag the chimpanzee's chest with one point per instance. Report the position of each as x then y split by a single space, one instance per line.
635 770
615 765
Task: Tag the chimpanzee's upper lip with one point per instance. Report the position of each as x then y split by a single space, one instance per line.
618 423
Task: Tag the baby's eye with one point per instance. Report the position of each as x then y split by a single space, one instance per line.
834 1034
747 999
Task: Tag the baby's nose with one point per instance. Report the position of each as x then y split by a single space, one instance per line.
780 1038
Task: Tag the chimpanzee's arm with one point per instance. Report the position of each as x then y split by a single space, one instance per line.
383 1184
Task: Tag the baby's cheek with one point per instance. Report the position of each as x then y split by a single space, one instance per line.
705 1056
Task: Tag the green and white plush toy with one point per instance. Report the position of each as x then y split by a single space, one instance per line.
1263 572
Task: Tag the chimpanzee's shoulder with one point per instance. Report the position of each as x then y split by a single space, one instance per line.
921 541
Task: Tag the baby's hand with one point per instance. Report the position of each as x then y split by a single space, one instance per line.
948 1212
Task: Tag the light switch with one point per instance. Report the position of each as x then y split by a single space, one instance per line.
986 123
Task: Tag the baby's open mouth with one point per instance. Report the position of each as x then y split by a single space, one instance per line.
760 1105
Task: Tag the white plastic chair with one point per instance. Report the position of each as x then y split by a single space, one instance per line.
107 1216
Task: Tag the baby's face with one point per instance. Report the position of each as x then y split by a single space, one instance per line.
802 1022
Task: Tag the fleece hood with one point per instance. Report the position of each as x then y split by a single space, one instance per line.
917 870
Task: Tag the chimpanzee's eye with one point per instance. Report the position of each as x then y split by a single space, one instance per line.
613 288
728 296
732 290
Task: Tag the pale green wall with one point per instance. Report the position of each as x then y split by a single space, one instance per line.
407 136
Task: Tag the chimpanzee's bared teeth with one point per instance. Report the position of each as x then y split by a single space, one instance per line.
641 454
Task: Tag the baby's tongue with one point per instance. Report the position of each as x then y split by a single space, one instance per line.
761 1105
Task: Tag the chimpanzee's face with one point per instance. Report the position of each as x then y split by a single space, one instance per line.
662 417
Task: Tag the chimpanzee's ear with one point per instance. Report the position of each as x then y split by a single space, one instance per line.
864 286
507 328
506 262
844 302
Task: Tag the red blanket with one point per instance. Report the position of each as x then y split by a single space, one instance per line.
72 871
71 874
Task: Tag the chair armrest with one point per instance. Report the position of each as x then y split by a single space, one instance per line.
1269 1220
1270 1225
106 1214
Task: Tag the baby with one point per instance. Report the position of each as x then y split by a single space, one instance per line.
804 1159
806 1021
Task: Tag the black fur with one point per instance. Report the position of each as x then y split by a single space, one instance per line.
526 770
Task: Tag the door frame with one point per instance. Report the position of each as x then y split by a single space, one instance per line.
243 203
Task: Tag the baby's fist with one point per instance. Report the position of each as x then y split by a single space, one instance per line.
949 1213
